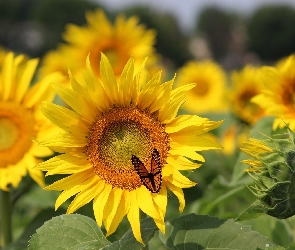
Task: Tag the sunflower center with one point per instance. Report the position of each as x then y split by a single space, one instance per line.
16 130
201 89
112 55
119 134
288 96
115 54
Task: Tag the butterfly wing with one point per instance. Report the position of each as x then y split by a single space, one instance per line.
139 167
156 170
151 180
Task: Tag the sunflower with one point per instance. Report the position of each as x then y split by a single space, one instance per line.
247 83
208 94
123 147
118 41
278 98
20 120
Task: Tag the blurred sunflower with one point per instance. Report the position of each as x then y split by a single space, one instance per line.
118 41
20 120
123 146
208 94
278 98
247 83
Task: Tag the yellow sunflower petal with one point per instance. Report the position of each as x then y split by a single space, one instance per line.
161 199
114 214
184 121
108 76
70 181
133 217
162 97
64 140
181 163
99 203
196 143
146 203
66 194
7 76
64 164
176 178
179 194
160 224
85 196
73 99
149 92
187 152
126 86
99 20
26 79
178 96
15 173
41 152
139 76
41 91
37 175
64 118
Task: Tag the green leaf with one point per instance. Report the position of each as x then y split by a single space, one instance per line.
73 231
276 230
252 212
204 232
22 242
148 229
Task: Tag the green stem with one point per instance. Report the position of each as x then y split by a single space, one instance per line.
5 211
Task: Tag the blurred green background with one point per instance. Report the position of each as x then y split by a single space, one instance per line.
231 38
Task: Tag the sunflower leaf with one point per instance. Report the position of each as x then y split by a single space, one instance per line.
71 231
128 242
252 212
204 232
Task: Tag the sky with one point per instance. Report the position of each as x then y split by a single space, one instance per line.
186 10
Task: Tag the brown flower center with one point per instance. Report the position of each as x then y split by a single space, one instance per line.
119 134
202 87
117 55
16 130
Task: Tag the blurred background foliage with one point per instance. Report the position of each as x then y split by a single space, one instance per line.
34 27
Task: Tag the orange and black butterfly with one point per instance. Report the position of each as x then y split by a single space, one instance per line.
151 180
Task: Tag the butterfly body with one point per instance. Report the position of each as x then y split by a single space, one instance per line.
152 179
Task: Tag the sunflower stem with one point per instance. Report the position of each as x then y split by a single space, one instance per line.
21 192
5 210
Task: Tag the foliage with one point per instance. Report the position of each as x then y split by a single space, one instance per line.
275 24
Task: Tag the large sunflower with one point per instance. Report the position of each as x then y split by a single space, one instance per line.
20 120
278 98
118 41
247 83
123 146
208 94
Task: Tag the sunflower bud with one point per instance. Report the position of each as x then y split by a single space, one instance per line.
272 171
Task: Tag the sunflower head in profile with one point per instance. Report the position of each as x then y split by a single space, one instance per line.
21 120
123 146
246 84
208 94
118 41
278 98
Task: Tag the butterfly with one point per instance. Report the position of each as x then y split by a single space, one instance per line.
151 180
